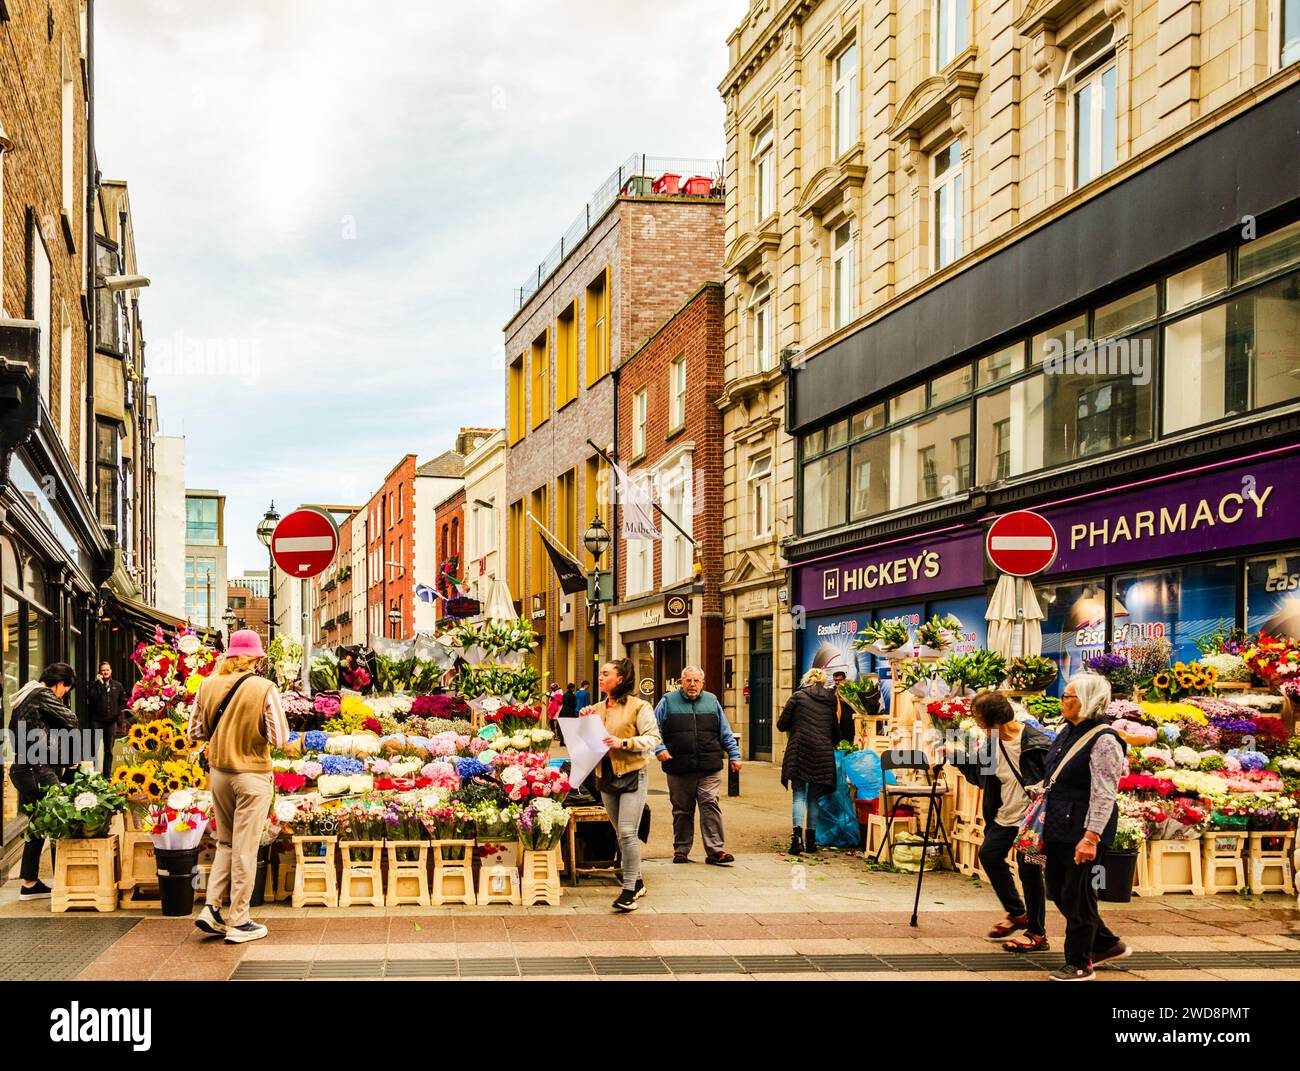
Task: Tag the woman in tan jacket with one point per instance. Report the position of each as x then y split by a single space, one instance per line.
632 734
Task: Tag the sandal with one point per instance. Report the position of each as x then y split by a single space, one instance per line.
1032 943
1007 927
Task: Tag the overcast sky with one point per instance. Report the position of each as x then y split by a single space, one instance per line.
334 202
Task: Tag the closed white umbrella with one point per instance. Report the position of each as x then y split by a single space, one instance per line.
500 606
1002 616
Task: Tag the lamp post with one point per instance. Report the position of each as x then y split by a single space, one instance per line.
265 530
229 618
596 540
395 619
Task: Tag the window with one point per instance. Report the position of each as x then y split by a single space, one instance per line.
760 496
1233 358
69 103
1123 314
515 549
598 327
1272 602
1178 604
400 497
65 377
201 526
764 175
1268 253
106 462
640 407
1090 74
842 277
540 370
1196 283
485 527
870 464
41 310
677 550
846 100
2 237
640 565
516 399
566 356
760 318
949 32
566 509
677 394
596 491
1290 35
824 488
948 209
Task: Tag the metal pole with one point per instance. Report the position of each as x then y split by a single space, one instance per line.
270 591
306 646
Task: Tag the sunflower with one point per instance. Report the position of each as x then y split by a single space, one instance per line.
135 735
175 784
153 789
1161 681
1211 673
121 775
1180 667
137 777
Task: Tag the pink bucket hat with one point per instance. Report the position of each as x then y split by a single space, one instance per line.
245 644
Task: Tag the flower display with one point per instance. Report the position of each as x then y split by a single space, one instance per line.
522 784
1228 667
883 636
939 633
82 808
1273 659
1182 712
1116 669
542 823
947 710
1132 732
1029 672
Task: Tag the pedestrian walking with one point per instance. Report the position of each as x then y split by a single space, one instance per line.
553 704
631 735
239 713
696 743
815 723
1082 772
582 699
39 710
569 702
1011 759
106 702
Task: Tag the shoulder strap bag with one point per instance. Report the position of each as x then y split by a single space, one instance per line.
1029 841
615 784
216 717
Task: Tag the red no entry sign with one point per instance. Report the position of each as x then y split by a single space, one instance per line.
1021 543
305 542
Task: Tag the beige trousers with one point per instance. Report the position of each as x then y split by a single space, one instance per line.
241 803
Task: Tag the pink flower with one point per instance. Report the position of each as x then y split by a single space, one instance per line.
380 766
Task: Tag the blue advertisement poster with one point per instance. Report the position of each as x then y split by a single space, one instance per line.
1273 595
1180 605
828 645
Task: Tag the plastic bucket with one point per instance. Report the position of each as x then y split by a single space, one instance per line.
176 872
1117 866
259 881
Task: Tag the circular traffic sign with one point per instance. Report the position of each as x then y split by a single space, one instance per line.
305 542
1021 543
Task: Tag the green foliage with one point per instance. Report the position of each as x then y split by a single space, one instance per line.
82 808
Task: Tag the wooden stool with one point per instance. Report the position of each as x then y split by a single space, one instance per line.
363 878
1174 866
499 885
408 879
453 879
1222 867
314 881
541 881
138 885
1270 862
85 875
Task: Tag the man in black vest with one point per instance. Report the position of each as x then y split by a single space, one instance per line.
697 741
106 702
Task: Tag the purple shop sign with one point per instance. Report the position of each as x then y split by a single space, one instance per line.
1224 510
903 571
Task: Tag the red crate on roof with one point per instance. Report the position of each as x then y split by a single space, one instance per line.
667 184
698 186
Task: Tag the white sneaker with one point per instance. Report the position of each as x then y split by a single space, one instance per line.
210 920
249 931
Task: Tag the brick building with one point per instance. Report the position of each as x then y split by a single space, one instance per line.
390 559
670 438
451 546
625 266
250 609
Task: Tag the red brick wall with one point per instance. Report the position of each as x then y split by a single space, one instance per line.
451 538
388 531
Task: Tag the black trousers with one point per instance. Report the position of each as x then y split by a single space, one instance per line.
107 732
1072 888
993 858
31 783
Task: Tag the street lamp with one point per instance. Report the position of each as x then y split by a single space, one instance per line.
265 530
596 540
395 619
229 618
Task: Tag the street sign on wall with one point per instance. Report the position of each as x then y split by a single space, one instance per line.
1022 543
305 542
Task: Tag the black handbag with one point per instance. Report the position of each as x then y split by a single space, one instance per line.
616 784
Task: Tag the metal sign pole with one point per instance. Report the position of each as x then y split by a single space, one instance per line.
306 639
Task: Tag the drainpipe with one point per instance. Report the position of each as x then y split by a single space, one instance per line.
92 188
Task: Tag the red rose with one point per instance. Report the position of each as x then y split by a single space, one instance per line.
539 790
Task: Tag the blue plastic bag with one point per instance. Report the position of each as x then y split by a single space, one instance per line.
837 820
862 768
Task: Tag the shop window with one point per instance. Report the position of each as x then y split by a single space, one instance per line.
866 421
948 203
929 458
1074 624
1122 315
837 434
949 31
1269 253
1179 605
908 404
950 386
10 638
1273 594
1233 358
845 72
1090 75
764 161
998 366
1063 338
825 484
1196 283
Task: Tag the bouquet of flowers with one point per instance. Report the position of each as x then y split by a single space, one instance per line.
1182 679
1116 669
285 656
492 640
170 676
1045 708
883 637
523 684
1273 659
178 826
1223 640
493 823
439 706
1130 833
327 704
1144 786
451 821
973 672
918 677
299 711
862 695
946 713
1227 667
394 660
1150 658
1172 712
1279 813
324 674
512 719
80 809
541 824
1031 672
939 633
522 784
405 820
1182 819
288 781
1133 733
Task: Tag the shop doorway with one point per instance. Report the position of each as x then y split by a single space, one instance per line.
670 658
759 688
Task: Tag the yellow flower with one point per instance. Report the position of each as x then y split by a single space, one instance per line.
1179 666
135 735
1211 673
175 784
192 683
153 789
1161 681
137 777
121 775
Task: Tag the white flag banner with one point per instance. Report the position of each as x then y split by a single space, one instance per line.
634 496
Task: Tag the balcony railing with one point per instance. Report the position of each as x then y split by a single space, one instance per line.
638 175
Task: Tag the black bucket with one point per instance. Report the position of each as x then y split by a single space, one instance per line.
176 874
259 881
1117 866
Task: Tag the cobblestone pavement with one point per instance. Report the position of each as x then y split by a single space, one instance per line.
767 917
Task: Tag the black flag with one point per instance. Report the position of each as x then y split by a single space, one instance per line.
568 570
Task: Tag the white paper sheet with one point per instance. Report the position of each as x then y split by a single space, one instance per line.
585 739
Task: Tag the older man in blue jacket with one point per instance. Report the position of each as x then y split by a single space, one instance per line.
697 742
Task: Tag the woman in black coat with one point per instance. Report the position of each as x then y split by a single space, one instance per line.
816 723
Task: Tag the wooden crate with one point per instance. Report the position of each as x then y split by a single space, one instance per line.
362 883
453 879
1269 862
1174 866
1222 864
315 882
876 832
408 879
85 875
541 878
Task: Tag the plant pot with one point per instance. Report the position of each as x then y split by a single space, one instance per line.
259 881
1118 866
176 870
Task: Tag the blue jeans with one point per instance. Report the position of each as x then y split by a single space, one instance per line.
803 810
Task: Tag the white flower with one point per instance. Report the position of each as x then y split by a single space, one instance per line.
1186 756
487 756
512 775
85 801
285 810
1161 753
189 645
181 800
491 703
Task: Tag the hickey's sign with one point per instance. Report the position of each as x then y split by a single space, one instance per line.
897 572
